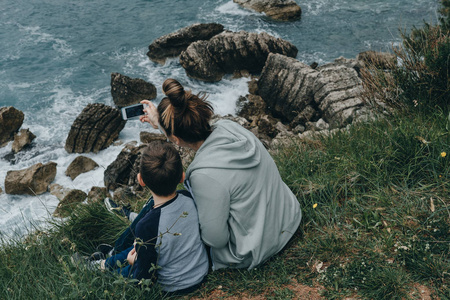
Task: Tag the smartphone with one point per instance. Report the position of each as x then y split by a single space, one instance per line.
132 111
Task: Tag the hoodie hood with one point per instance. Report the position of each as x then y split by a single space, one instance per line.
229 146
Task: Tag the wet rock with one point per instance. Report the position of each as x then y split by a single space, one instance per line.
123 170
69 202
96 127
228 52
98 194
286 85
11 119
31 181
22 139
281 10
173 44
128 91
79 165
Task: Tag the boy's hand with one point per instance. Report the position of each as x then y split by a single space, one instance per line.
131 257
151 114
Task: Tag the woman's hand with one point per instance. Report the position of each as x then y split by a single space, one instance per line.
131 257
151 114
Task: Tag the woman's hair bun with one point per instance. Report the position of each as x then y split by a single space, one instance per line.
175 92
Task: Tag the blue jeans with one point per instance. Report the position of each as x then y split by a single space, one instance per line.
111 263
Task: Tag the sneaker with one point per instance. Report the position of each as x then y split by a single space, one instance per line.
97 256
114 207
85 262
105 249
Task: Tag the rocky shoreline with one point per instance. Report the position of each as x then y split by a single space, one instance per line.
287 100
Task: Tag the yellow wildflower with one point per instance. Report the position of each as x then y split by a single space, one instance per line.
314 205
443 154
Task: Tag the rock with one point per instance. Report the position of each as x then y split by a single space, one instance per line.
69 202
11 119
380 60
31 181
286 85
317 126
22 139
281 10
128 91
337 93
228 52
1 191
80 164
122 195
173 44
251 108
97 194
96 127
123 170
147 137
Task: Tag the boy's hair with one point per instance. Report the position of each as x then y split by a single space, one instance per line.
161 168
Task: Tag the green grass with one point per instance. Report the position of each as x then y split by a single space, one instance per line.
381 226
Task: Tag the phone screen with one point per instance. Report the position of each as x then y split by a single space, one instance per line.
134 111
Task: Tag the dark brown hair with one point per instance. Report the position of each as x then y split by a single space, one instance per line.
161 168
184 114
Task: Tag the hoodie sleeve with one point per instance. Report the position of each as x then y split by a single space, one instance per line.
213 205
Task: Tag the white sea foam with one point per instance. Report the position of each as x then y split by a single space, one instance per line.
36 35
234 9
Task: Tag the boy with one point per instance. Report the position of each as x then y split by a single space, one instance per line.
166 235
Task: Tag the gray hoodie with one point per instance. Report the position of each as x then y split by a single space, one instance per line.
246 212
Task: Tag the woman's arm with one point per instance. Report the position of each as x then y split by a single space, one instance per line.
213 205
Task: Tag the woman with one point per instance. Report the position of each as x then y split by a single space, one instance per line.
246 212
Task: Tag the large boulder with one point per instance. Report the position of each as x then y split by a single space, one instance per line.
229 52
281 10
32 181
299 94
22 139
286 85
79 165
123 170
173 44
11 119
95 128
128 91
337 93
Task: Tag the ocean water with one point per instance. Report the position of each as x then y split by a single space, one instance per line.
57 57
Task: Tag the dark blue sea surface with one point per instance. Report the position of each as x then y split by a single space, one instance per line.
57 57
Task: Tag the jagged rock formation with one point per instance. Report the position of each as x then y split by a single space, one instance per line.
337 93
31 181
232 51
173 44
123 170
127 91
22 139
299 94
80 164
96 127
286 85
11 119
281 10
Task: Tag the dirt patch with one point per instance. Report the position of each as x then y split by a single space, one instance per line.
300 291
421 292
